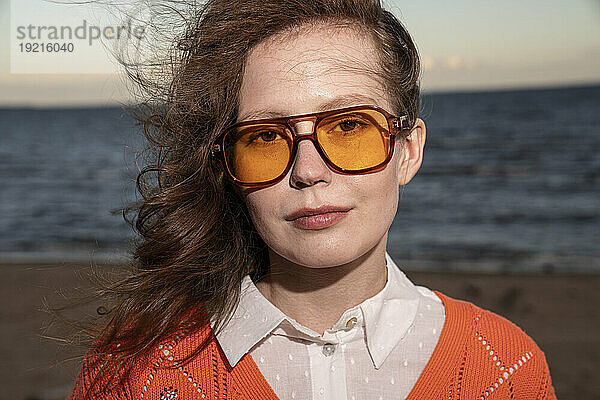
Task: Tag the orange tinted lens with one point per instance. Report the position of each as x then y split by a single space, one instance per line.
257 153
355 140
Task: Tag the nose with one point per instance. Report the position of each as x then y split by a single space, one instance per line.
308 168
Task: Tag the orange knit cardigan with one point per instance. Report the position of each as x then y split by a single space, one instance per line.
479 355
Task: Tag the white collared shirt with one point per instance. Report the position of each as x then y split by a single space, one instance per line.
376 350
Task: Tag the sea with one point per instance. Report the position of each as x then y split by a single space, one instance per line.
510 183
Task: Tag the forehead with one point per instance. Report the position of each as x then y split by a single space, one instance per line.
298 73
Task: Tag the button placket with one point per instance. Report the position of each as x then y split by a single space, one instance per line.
327 373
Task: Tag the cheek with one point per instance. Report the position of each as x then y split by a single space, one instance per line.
261 207
380 196
376 202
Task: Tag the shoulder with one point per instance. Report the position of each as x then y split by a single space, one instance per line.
479 319
498 352
183 364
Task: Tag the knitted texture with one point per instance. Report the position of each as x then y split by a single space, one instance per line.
480 355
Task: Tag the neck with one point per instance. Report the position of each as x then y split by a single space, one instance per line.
317 297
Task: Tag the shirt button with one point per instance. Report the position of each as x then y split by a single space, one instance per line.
328 349
351 322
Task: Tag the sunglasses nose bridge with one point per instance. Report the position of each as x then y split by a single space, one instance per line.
302 126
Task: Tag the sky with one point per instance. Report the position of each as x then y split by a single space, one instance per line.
465 45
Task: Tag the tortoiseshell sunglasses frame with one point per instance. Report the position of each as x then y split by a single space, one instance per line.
396 125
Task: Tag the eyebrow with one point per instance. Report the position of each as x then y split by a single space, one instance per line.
348 100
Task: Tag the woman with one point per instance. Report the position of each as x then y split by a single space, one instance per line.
262 271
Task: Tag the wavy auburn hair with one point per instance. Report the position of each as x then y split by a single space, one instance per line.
196 240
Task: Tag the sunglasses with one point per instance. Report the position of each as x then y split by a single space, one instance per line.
352 141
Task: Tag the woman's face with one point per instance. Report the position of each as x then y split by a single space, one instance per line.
317 70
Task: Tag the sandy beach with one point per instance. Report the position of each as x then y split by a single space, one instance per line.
559 311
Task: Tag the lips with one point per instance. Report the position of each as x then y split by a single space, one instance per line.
305 212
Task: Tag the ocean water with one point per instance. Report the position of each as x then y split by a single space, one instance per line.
510 182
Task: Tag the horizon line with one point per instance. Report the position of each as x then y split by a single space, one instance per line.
424 92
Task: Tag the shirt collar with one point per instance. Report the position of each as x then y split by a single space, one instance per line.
387 317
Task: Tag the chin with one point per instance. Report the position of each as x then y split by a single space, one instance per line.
319 257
